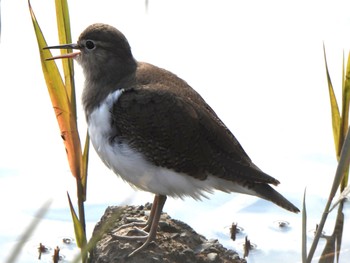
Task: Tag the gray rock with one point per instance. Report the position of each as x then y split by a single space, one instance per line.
176 241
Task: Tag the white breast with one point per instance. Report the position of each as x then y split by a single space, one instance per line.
136 170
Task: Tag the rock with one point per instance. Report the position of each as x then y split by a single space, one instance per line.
176 241
212 256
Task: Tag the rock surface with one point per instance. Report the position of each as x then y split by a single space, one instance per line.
176 241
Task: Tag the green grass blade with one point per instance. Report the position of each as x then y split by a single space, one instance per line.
342 167
345 113
64 35
78 228
85 164
105 228
28 232
332 248
303 232
336 120
339 229
63 22
343 195
346 98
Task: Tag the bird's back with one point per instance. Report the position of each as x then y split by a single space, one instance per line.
181 129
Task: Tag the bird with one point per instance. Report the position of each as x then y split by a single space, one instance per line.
152 129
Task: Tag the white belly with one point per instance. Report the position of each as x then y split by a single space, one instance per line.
136 170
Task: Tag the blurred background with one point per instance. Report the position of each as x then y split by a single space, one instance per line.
258 64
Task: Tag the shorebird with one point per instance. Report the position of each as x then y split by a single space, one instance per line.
156 132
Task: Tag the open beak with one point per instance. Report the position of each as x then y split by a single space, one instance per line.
66 46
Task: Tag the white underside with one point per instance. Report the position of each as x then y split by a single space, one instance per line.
136 170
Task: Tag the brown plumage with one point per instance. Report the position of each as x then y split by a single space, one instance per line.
156 132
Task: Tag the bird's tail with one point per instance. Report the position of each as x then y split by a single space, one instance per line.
266 192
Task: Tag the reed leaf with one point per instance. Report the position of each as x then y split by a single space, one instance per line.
85 164
97 235
334 108
60 100
342 167
78 228
63 99
303 231
64 36
345 112
343 195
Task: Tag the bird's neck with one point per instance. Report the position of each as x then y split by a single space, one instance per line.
99 86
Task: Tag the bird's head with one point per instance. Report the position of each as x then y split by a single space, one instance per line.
101 50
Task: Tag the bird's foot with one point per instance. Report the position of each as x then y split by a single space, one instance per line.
134 223
149 231
146 239
135 231
135 234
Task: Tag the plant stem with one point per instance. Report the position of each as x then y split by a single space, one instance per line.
341 169
81 208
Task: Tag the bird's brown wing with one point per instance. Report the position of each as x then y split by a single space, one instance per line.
174 132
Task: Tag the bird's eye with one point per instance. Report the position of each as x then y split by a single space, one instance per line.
90 44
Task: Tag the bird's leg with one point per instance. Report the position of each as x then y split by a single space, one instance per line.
146 226
154 223
150 226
